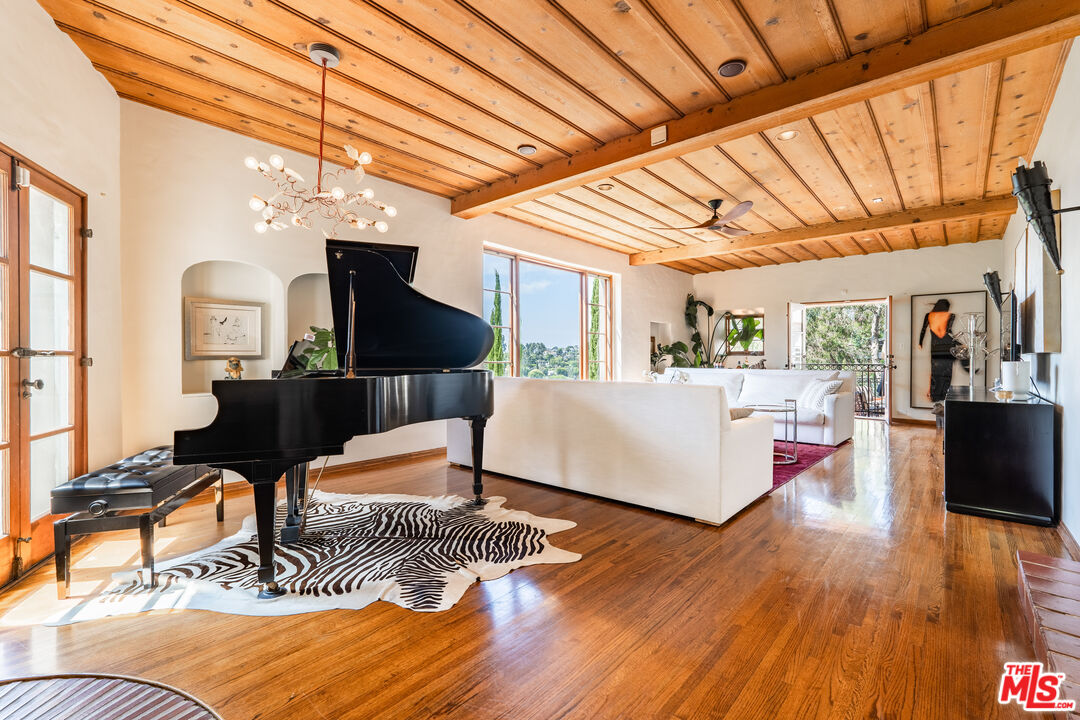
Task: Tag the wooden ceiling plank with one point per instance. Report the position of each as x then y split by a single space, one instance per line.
607 217
899 239
643 43
817 168
471 37
991 100
932 235
792 33
715 32
969 42
284 106
756 157
361 68
236 55
1027 88
998 206
822 248
870 23
388 48
712 169
637 209
550 34
544 223
543 208
905 117
942 11
851 137
243 114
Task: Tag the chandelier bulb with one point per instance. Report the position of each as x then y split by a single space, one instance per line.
381 226
390 211
365 158
263 167
268 213
277 162
368 193
251 163
256 203
261 227
337 193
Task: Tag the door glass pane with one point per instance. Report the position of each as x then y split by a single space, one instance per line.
550 307
5 493
496 265
50 232
50 465
50 312
50 407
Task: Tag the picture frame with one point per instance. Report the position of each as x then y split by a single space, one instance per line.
960 303
215 328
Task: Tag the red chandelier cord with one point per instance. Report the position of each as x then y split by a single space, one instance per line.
322 126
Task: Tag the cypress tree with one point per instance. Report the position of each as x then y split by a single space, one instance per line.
498 350
594 325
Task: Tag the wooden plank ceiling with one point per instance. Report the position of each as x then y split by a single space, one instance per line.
443 92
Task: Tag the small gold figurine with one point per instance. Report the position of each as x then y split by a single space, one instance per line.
233 368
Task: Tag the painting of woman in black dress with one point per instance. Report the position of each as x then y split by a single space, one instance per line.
933 362
939 321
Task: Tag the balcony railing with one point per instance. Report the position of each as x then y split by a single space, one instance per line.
871 384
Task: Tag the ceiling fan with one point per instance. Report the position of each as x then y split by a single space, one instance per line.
721 224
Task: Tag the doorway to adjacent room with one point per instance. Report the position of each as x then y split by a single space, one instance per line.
847 335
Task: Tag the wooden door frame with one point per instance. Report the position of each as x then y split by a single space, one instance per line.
19 235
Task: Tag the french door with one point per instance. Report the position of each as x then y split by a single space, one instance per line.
42 378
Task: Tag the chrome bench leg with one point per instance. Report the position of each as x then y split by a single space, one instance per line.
62 541
146 535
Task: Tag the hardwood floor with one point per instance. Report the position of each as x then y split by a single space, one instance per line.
847 593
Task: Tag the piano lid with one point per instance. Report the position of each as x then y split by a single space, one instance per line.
396 326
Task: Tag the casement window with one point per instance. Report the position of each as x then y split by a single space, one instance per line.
550 320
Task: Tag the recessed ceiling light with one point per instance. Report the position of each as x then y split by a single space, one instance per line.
526 149
731 68
788 135
605 186
878 200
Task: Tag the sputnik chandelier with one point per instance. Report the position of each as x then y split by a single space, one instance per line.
299 204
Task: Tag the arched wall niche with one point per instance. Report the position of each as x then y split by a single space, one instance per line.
230 280
309 304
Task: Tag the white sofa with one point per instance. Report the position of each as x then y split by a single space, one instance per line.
667 447
745 387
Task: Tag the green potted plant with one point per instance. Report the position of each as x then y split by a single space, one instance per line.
322 355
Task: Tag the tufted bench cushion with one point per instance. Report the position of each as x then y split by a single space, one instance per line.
146 481
139 481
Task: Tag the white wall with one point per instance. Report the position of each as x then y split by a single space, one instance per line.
1059 149
61 114
186 202
900 274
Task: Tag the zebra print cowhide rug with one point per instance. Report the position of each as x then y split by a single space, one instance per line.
421 553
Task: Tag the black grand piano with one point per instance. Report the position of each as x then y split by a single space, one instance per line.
405 359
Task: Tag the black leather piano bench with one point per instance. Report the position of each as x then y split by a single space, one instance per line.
105 500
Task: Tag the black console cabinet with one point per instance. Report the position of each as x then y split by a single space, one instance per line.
1002 459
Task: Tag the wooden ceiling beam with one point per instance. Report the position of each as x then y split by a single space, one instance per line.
964 210
989 35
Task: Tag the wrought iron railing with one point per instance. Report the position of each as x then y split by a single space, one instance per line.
871 384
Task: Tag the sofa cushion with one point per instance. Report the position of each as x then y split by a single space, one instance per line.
764 388
731 381
813 396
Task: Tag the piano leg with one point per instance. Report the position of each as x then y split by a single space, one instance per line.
265 500
296 494
477 424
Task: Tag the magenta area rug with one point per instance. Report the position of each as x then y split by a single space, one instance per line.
808 455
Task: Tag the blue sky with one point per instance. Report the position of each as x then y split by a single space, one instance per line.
549 300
